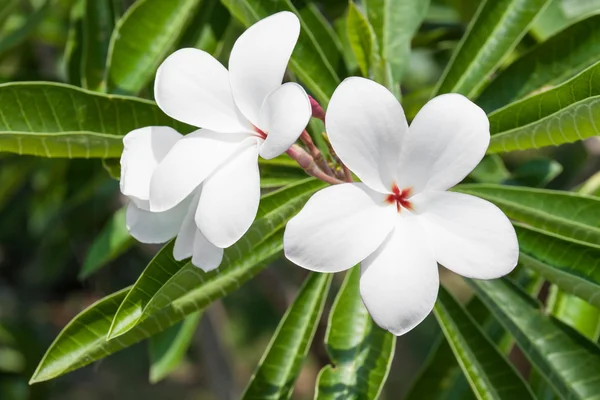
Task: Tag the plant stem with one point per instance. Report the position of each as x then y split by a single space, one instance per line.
315 152
307 162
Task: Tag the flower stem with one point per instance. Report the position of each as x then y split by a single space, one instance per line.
315 152
307 162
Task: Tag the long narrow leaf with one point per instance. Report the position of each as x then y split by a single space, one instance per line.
567 360
361 352
496 29
85 339
56 120
280 365
142 39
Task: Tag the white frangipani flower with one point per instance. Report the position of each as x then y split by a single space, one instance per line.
400 221
143 150
211 175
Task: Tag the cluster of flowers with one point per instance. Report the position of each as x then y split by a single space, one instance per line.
398 222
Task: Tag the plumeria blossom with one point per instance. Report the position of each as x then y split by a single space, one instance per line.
209 179
400 221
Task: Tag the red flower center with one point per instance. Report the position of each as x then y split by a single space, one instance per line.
399 197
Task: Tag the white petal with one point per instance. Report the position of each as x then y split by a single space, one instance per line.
229 199
193 87
469 236
283 116
153 227
143 149
258 61
206 256
190 161
366 126
399 282
338 227
446 140
184 244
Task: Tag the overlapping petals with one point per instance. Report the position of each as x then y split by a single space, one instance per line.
204 187
405 172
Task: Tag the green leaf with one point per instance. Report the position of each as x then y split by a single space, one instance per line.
488 372
167 349
548 64
441 377
361 352
279 171
142 39
564 114
561 13
572 266
569 362
490 170
570 215
112 241
394 23
363 41
98 24
56 120
281 363
308 59
575 312
537 172
323 33
496 29
165 280
186 289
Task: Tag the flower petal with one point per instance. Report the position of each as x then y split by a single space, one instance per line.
399 283
258 61
143 149
283 116
184 244
230 197
190 161
446 140
206 256
338 227
366 126
469 236
155 227
193 87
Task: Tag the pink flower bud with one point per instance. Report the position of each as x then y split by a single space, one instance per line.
317 110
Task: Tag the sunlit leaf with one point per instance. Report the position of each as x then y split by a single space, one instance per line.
548 64
561 13
142 39
280 365
56 120
564 114
363 41
394 23
361 352
575 312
